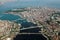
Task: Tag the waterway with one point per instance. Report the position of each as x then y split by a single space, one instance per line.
24 24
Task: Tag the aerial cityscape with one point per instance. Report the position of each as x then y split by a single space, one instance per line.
29 20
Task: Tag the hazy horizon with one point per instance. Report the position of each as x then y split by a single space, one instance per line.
9 4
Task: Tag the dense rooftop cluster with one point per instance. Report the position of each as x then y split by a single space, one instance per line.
47 17
32 14
8 29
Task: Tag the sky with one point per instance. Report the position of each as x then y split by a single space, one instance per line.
4 1
53 2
